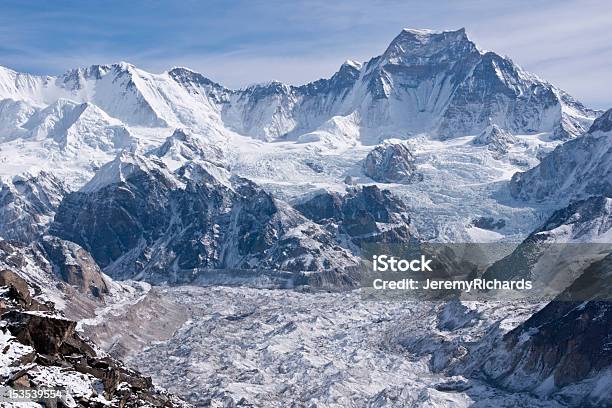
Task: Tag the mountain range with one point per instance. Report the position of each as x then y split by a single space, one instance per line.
110 173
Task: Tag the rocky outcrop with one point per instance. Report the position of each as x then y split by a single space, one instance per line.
566 344
365 214
391 163
18 294
27 205
184 146
74 265
489 223
61 262
496 139
59 271
37 346
138 219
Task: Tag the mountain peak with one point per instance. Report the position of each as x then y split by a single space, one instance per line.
426 33
349 63
422 37
186 76
602 123
123 66
125 165
422 43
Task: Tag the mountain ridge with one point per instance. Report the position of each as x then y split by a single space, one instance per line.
429 76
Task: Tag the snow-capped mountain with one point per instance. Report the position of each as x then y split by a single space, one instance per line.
577 169
555 254
440 82
73 127
139 219
424 81
27 204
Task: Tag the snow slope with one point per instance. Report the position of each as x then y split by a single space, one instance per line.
575 170
436 89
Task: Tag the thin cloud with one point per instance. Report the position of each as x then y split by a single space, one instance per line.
238 43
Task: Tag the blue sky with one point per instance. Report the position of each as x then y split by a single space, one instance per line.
568 43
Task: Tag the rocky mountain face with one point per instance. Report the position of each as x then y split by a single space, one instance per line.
138 219
577 169
28 204
391 163
363 215
555 254
563 348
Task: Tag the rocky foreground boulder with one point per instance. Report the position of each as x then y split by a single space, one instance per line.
39 348
391 162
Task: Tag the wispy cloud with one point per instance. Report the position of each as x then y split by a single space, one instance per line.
241 42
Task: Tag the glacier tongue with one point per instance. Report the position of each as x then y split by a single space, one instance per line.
276 348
